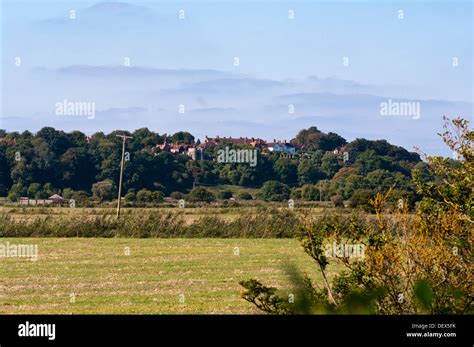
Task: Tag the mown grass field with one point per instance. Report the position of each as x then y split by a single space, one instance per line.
159 276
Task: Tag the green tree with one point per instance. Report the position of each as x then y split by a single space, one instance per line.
310 192
312 139
182 137
361 198
104 190
48 189
309 172
144 195
369 161
5 179
286 170
130 197
34 190
330 164
274 191
201 194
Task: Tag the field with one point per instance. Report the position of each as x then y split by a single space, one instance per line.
150 276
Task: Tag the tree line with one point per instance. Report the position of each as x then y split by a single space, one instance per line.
53 161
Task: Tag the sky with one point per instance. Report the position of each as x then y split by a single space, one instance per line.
239 68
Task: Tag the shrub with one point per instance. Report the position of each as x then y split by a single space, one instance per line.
67 193
405 264
310 192
337 201
80 197
13 196
245 196
274 191
201 194
130 197
145 195
17 190
296 193
361 198
104 190
224 194
177 195
157 196
408 200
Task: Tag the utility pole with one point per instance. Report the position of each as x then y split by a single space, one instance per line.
124 138
320 192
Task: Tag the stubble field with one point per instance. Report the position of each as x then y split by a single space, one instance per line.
146 276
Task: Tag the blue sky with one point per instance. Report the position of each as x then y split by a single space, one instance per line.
282 61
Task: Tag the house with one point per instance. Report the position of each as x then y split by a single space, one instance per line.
57 199
164 147
8 141
52 199
196 150
253 142
196 153
281 146
174 148
178 149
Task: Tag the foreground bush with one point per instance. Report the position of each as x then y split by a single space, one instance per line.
408 264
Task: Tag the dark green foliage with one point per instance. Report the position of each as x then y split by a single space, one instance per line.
310 192
274 191
104 190
309 172
5 179
361 198
313 139
245 196
296 193
224 194
130 197
182 137
176 195
423 294
201 194
76 161
286 170
265 298
145 195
